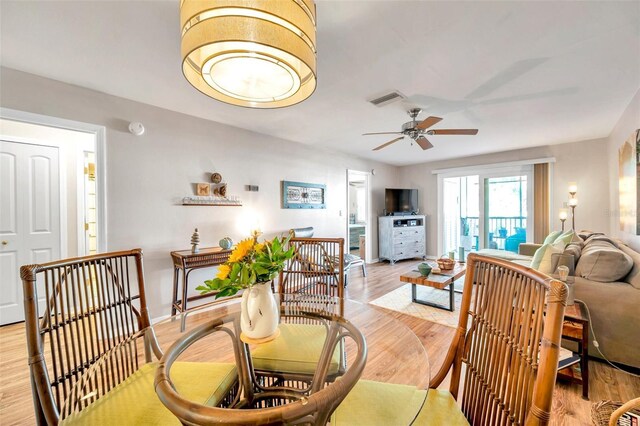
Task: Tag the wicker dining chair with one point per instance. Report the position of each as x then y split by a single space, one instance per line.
311 280
508 337
91 345
350 260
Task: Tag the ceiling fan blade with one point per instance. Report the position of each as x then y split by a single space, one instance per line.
428 122
424 143
382 133
454 132
388 143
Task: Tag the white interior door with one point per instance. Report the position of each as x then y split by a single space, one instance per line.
29 217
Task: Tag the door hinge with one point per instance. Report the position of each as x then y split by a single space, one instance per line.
86 226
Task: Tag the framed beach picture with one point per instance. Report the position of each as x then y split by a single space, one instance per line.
628 175
300 195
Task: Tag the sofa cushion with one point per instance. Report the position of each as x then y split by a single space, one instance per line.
602 261
551 238
566 237
633 277
542 258
574 248
584 234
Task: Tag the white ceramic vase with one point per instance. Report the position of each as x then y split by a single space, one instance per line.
259 316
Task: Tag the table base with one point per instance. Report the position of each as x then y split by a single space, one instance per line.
449 308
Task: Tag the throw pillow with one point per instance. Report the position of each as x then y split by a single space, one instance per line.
602 261
551 238
566 237
542 257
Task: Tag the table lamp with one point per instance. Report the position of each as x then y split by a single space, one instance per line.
563 217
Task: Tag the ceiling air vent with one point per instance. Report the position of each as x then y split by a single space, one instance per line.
387 98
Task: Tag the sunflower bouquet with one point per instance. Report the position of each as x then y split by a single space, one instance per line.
250 262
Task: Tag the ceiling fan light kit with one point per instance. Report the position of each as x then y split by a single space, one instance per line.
417 129
251 53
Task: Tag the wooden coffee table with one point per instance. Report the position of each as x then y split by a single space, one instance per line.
440 281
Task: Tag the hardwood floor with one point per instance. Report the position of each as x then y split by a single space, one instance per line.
569 408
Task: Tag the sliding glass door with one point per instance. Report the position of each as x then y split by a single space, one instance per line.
487 209
506 209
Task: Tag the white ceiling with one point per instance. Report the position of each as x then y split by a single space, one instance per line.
524 73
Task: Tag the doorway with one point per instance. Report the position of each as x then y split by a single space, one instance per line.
358 215
49 200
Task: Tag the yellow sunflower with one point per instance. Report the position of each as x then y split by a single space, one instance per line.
259 247
223 271
241 250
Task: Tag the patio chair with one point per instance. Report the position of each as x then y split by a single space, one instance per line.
91 348
510 349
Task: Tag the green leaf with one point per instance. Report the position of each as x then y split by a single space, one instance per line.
276 245
227 291
235 270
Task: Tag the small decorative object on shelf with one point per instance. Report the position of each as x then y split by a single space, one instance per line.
220 190
212 201
203 189
226 243
195 241
216 178
252 266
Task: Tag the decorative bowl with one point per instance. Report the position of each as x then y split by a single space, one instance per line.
226 243
445 263
424 269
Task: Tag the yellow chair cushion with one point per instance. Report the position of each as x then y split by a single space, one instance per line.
440 409
296 350
135 402
375 403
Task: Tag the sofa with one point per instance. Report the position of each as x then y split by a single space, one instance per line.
614 303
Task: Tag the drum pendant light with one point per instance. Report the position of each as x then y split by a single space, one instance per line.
251 53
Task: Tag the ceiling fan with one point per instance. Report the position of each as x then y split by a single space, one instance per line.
417 129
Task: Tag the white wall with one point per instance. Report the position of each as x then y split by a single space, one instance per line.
148 175
628 123
71 146
582 162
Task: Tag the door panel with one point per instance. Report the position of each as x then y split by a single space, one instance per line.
29 217
40 194
8 204
9 267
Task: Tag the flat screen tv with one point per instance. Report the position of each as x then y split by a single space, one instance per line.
401 201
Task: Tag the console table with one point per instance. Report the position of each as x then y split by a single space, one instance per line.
183 263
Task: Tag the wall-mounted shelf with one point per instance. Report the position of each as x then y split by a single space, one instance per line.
212 201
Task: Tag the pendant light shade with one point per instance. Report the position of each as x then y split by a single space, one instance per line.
252 53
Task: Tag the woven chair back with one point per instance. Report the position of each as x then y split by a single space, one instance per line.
77 310
314 273
508 339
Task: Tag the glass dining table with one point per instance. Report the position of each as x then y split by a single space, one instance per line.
208 375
